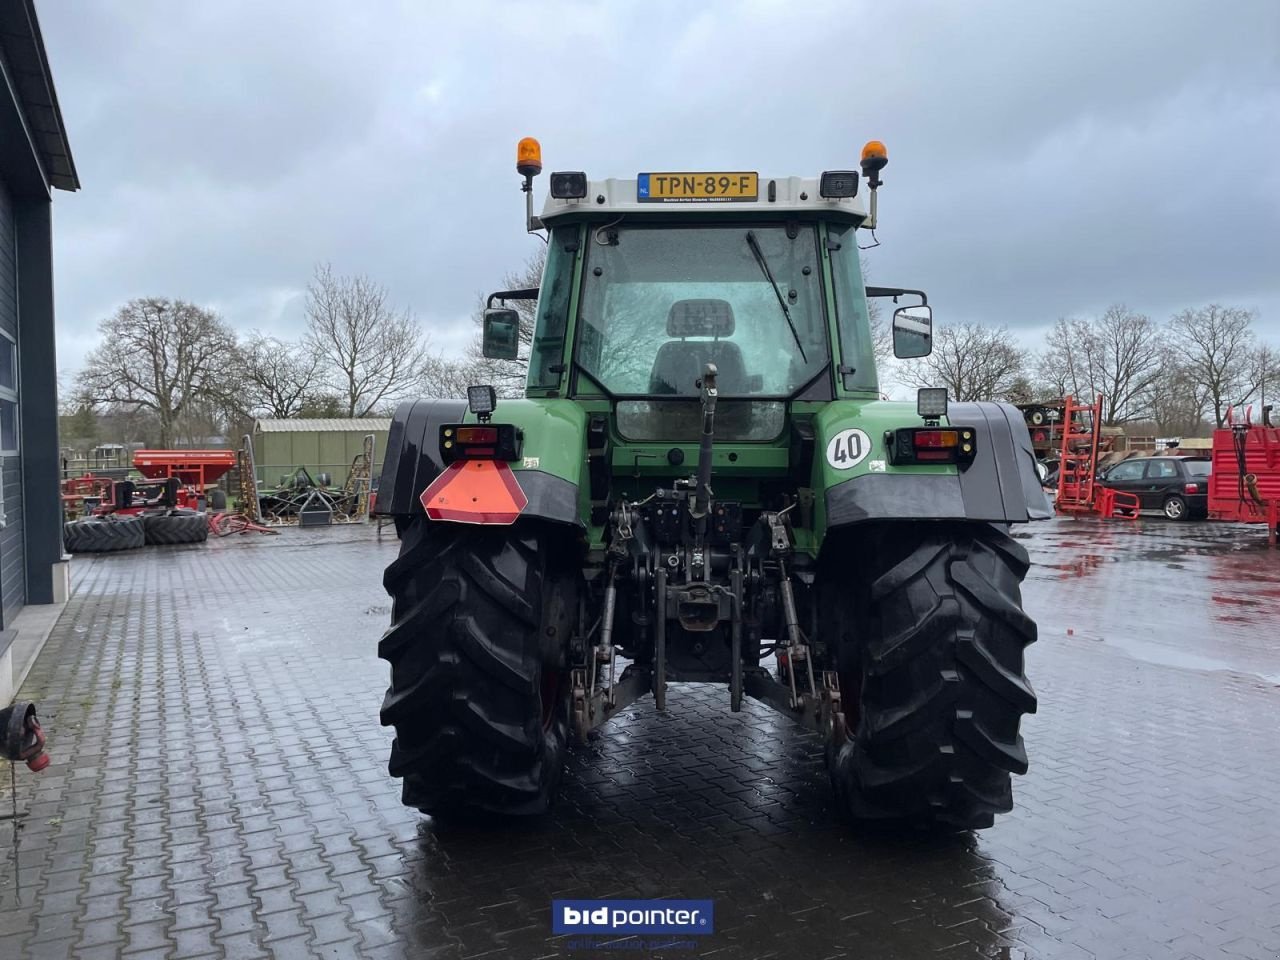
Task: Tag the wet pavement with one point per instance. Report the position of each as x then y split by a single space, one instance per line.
219 785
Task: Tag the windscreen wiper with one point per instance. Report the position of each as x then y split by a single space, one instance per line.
754 244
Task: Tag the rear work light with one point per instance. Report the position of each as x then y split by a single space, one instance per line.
914 445
491 441
569 185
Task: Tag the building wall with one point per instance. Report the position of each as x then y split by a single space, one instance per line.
12 554
279 454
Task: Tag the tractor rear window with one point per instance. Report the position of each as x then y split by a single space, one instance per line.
681 420
660 302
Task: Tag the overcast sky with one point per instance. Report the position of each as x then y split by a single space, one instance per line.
1045 159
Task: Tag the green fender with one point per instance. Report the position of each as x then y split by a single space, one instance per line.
855 482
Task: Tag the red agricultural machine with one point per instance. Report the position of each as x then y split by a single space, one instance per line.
174 479
165 507
1082 443
1244 483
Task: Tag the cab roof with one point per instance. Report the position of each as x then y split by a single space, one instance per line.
778 198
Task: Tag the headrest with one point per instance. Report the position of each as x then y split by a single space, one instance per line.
700 318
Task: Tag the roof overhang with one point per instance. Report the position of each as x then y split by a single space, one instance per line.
26 81
781 198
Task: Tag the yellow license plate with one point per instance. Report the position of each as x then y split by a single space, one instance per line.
693 187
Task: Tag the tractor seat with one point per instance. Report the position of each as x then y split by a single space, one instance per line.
680 362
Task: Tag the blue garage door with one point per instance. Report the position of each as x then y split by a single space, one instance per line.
13 592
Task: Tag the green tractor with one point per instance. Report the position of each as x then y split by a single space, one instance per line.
701 484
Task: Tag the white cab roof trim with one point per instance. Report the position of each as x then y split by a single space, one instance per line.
620 197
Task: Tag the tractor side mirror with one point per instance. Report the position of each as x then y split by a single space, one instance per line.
912 332
501 338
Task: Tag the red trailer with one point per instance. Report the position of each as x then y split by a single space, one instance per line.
1244 484
174 479
194 468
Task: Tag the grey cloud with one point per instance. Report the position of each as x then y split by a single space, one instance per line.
1045 159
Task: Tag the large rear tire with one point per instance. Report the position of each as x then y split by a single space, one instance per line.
103 534
931 668
479 696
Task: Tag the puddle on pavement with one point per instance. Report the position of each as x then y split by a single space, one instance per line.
1165 656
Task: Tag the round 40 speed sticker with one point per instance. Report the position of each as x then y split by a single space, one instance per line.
848 448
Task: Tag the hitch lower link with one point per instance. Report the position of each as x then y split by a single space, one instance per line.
23 736
593 701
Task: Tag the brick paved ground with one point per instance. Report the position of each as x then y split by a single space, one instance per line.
219 784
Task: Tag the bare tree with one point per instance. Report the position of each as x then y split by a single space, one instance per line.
450 376
278 376
1217 346
1060 367
78 426
1119 354
324 406
1177 401
1266 373
163 356
369 353
881 334
973 362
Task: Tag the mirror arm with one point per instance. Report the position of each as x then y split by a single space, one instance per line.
528 293
896 292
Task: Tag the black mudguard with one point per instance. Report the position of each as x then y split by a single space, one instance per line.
413 461
1000 486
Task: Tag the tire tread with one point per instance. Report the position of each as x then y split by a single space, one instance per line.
943 682
465 654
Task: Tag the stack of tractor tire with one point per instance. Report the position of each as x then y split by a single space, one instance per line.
103 534
176 526
109 534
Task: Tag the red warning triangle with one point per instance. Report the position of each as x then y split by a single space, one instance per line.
475 491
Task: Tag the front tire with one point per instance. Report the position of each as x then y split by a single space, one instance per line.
1175 508
479 695
931 669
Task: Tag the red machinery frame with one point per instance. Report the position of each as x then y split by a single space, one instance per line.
173 478
76 489
1078 490
1244 482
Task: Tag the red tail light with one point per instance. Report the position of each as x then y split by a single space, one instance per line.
491 441
477 434
932 445
933 439
1191 488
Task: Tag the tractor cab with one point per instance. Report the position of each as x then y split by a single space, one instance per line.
648 280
